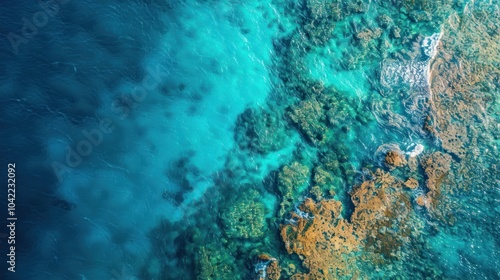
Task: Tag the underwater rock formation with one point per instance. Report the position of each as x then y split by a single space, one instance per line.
422 200
384 21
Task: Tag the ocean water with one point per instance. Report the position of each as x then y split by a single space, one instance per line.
197 139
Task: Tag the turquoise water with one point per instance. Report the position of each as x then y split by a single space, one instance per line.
188 139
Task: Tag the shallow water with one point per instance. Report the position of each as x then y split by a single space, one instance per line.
245 140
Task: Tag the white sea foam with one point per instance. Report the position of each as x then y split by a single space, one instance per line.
430 44
419 148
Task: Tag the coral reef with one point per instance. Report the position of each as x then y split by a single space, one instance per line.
332 238
309 117
260 130
318 25
382 223
323 241
214 264
245 217
338 216
436 166
382 214
324 183
292 182
366 35
324 112
322 177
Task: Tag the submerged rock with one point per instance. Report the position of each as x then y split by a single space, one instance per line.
384 21
421 200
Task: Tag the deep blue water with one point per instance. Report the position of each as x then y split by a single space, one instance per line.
126 123
168 79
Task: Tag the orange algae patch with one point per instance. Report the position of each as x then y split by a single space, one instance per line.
462 77
395 159
436 166
270 271
323 241
382 215
421 200
273 271
328 244
411 183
